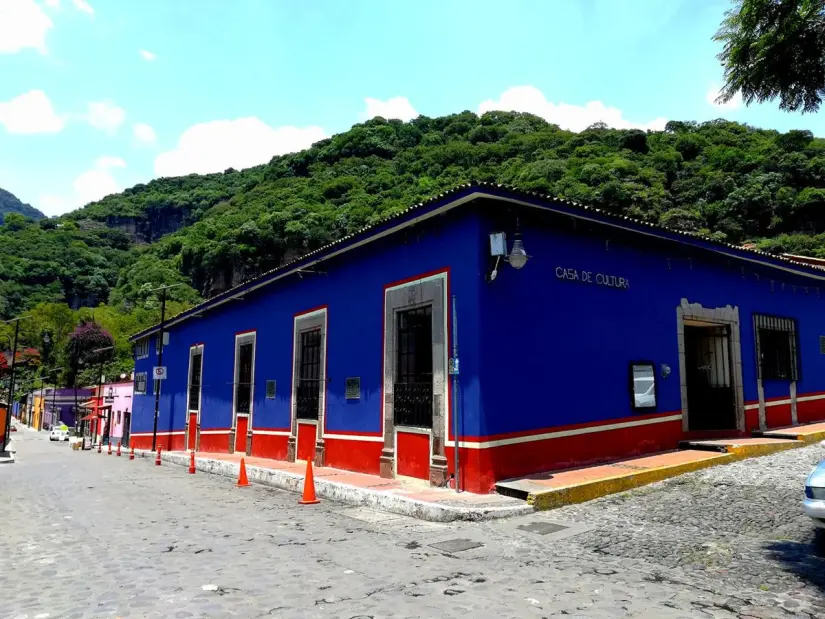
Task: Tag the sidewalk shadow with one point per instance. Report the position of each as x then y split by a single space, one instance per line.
805 559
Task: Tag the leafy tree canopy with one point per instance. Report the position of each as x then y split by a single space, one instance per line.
775 49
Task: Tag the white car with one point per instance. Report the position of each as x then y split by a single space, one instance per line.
814 503
59 434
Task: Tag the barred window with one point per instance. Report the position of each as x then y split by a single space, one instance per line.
140 382
142 348
776 348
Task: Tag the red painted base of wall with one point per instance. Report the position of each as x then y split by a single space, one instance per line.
215 443
269 446
175 442
778 416
306 441
412 453
482 468
359 456
810 411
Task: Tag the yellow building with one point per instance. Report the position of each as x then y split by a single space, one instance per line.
37 411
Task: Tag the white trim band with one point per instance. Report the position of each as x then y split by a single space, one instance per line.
562 433
354 437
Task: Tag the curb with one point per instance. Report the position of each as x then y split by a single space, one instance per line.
552 499
344 493
789 435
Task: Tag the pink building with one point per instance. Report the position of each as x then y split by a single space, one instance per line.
116 411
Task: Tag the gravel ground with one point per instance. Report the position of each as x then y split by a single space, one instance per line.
88 535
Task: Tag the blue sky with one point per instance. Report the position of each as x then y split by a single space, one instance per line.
97 95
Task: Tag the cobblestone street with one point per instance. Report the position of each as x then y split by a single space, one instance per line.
89 535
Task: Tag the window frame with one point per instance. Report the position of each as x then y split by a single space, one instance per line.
145 377
193 351
769 322
632 386
241 339
142 348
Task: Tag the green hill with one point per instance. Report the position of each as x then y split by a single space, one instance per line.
719 178
10 204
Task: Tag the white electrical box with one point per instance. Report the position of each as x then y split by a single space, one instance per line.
498 244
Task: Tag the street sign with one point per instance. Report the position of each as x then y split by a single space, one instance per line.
159 372
109 398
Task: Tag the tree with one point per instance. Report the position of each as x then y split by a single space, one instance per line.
774 48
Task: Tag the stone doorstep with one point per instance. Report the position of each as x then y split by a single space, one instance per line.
392 500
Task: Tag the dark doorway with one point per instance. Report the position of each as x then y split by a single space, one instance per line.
413 385
711 400
127 428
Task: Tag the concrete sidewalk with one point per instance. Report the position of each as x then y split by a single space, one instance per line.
407 497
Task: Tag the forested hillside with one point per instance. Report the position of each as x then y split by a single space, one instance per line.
719 178
9 203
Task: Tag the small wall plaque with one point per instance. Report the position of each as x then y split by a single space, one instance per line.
270 390
353 391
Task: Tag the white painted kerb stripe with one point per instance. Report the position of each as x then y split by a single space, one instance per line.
562 433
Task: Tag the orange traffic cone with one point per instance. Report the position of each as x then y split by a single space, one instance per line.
242 480
192 462
132 454
157 459
118 448
309 497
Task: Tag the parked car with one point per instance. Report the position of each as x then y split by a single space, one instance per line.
59 434
814 503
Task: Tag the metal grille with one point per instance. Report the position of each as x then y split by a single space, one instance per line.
140 382
776 349
270 390
243 394
195 382
413 387
822 344
711 398
308 398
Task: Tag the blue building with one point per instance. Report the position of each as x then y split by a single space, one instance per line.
583 337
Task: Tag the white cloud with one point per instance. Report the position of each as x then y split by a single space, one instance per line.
52 4
395 107
23 25
90 186
147 55
53 205
31 112
98 182
144 133
573 117
82 5
241 143
105 115
713 93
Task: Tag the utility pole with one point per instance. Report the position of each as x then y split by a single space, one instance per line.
7 429
156 383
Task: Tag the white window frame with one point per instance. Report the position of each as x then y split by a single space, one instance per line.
243 338
142 348
145 376
193 350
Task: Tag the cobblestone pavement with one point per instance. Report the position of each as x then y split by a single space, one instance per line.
89 535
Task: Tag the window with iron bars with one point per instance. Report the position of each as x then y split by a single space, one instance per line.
308 396
413 385
776 348
195 381
142 348
140 382
243 392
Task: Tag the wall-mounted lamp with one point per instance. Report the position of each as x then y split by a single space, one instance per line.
517 256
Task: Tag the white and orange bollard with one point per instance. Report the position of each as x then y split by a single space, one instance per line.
132 453
157 459
118 448
110 448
